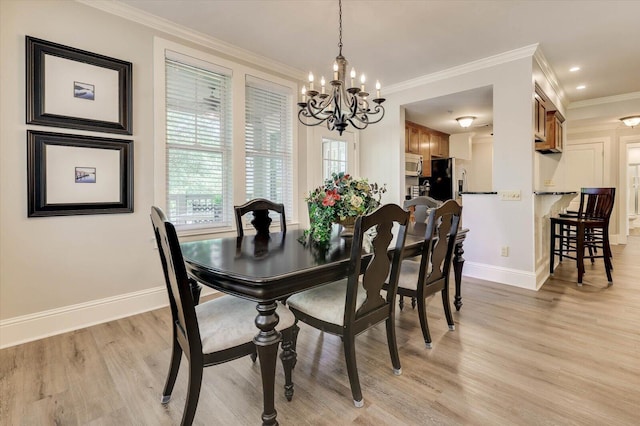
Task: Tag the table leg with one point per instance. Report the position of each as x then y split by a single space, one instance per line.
267 343
458 263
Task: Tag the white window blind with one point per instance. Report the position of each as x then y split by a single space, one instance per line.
269 142
198 143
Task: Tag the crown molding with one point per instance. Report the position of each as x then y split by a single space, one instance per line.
548 72
501 58
606 100
125 11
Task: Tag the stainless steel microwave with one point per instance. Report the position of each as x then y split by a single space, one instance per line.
412 164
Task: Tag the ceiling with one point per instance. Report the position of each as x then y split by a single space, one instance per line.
396 40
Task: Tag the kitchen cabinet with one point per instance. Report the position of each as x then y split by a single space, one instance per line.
425 151
426 142
412 140
547 124
540 115
439 145
554 133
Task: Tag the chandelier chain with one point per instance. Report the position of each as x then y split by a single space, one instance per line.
340 26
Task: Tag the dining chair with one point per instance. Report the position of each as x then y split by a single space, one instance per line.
419 208
354 304
260 208
430 275
573 233
212 332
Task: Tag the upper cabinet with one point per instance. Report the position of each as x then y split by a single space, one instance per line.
540 116
439 145
547 124
426 142
412 140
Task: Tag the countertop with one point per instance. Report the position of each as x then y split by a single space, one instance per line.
478 193
555 192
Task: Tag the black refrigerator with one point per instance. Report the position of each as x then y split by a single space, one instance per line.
442 179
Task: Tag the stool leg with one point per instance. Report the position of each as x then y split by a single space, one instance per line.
580 251
552 245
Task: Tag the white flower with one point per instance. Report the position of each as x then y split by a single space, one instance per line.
356 201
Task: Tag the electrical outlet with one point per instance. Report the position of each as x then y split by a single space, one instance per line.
549 182
509 195
504 251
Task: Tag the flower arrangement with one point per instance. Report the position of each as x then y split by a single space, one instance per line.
342 198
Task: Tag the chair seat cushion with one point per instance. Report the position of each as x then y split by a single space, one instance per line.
228 321
409 271
326 302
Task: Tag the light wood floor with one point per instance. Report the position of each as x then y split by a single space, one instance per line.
564 355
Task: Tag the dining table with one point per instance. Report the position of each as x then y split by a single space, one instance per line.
266 268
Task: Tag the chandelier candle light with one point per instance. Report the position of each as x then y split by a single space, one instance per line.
342 105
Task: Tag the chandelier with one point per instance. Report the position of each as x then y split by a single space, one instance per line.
341 105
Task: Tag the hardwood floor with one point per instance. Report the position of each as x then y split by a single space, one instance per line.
563 355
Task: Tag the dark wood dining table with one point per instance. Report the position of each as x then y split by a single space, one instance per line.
268 268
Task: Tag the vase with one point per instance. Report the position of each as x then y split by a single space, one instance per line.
348 225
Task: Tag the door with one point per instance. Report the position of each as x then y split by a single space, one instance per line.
329 153
584 167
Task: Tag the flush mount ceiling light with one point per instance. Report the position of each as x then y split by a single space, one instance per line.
341 105
631 121
465 122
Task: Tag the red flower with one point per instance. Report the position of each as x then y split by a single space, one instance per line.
330 198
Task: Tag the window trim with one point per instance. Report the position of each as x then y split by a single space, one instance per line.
239 73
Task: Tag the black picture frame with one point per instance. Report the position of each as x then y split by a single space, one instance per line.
53 185
110 111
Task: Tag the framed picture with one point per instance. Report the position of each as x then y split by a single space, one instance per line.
72 88
72 174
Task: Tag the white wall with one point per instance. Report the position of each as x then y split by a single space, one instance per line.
48 263
480 169
61 273
493 223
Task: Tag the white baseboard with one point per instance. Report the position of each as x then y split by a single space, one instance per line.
26 328
513 277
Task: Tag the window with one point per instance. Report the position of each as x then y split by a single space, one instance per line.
224 135
268 142
334 157
198 142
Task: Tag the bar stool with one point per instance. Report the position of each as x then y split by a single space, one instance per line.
587 229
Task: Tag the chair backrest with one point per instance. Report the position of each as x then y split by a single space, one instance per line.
439 242
421 205
175 274
261 220
376 270
596 203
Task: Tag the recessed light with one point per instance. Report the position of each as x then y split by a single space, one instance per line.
574 69
581 87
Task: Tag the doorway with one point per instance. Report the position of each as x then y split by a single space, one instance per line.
628 219
584 166
633 189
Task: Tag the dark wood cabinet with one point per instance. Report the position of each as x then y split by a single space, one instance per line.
439 145
540 117
547 124
426 142
425 151
554 132
414 140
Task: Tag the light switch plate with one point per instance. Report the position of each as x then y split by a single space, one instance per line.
513 195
